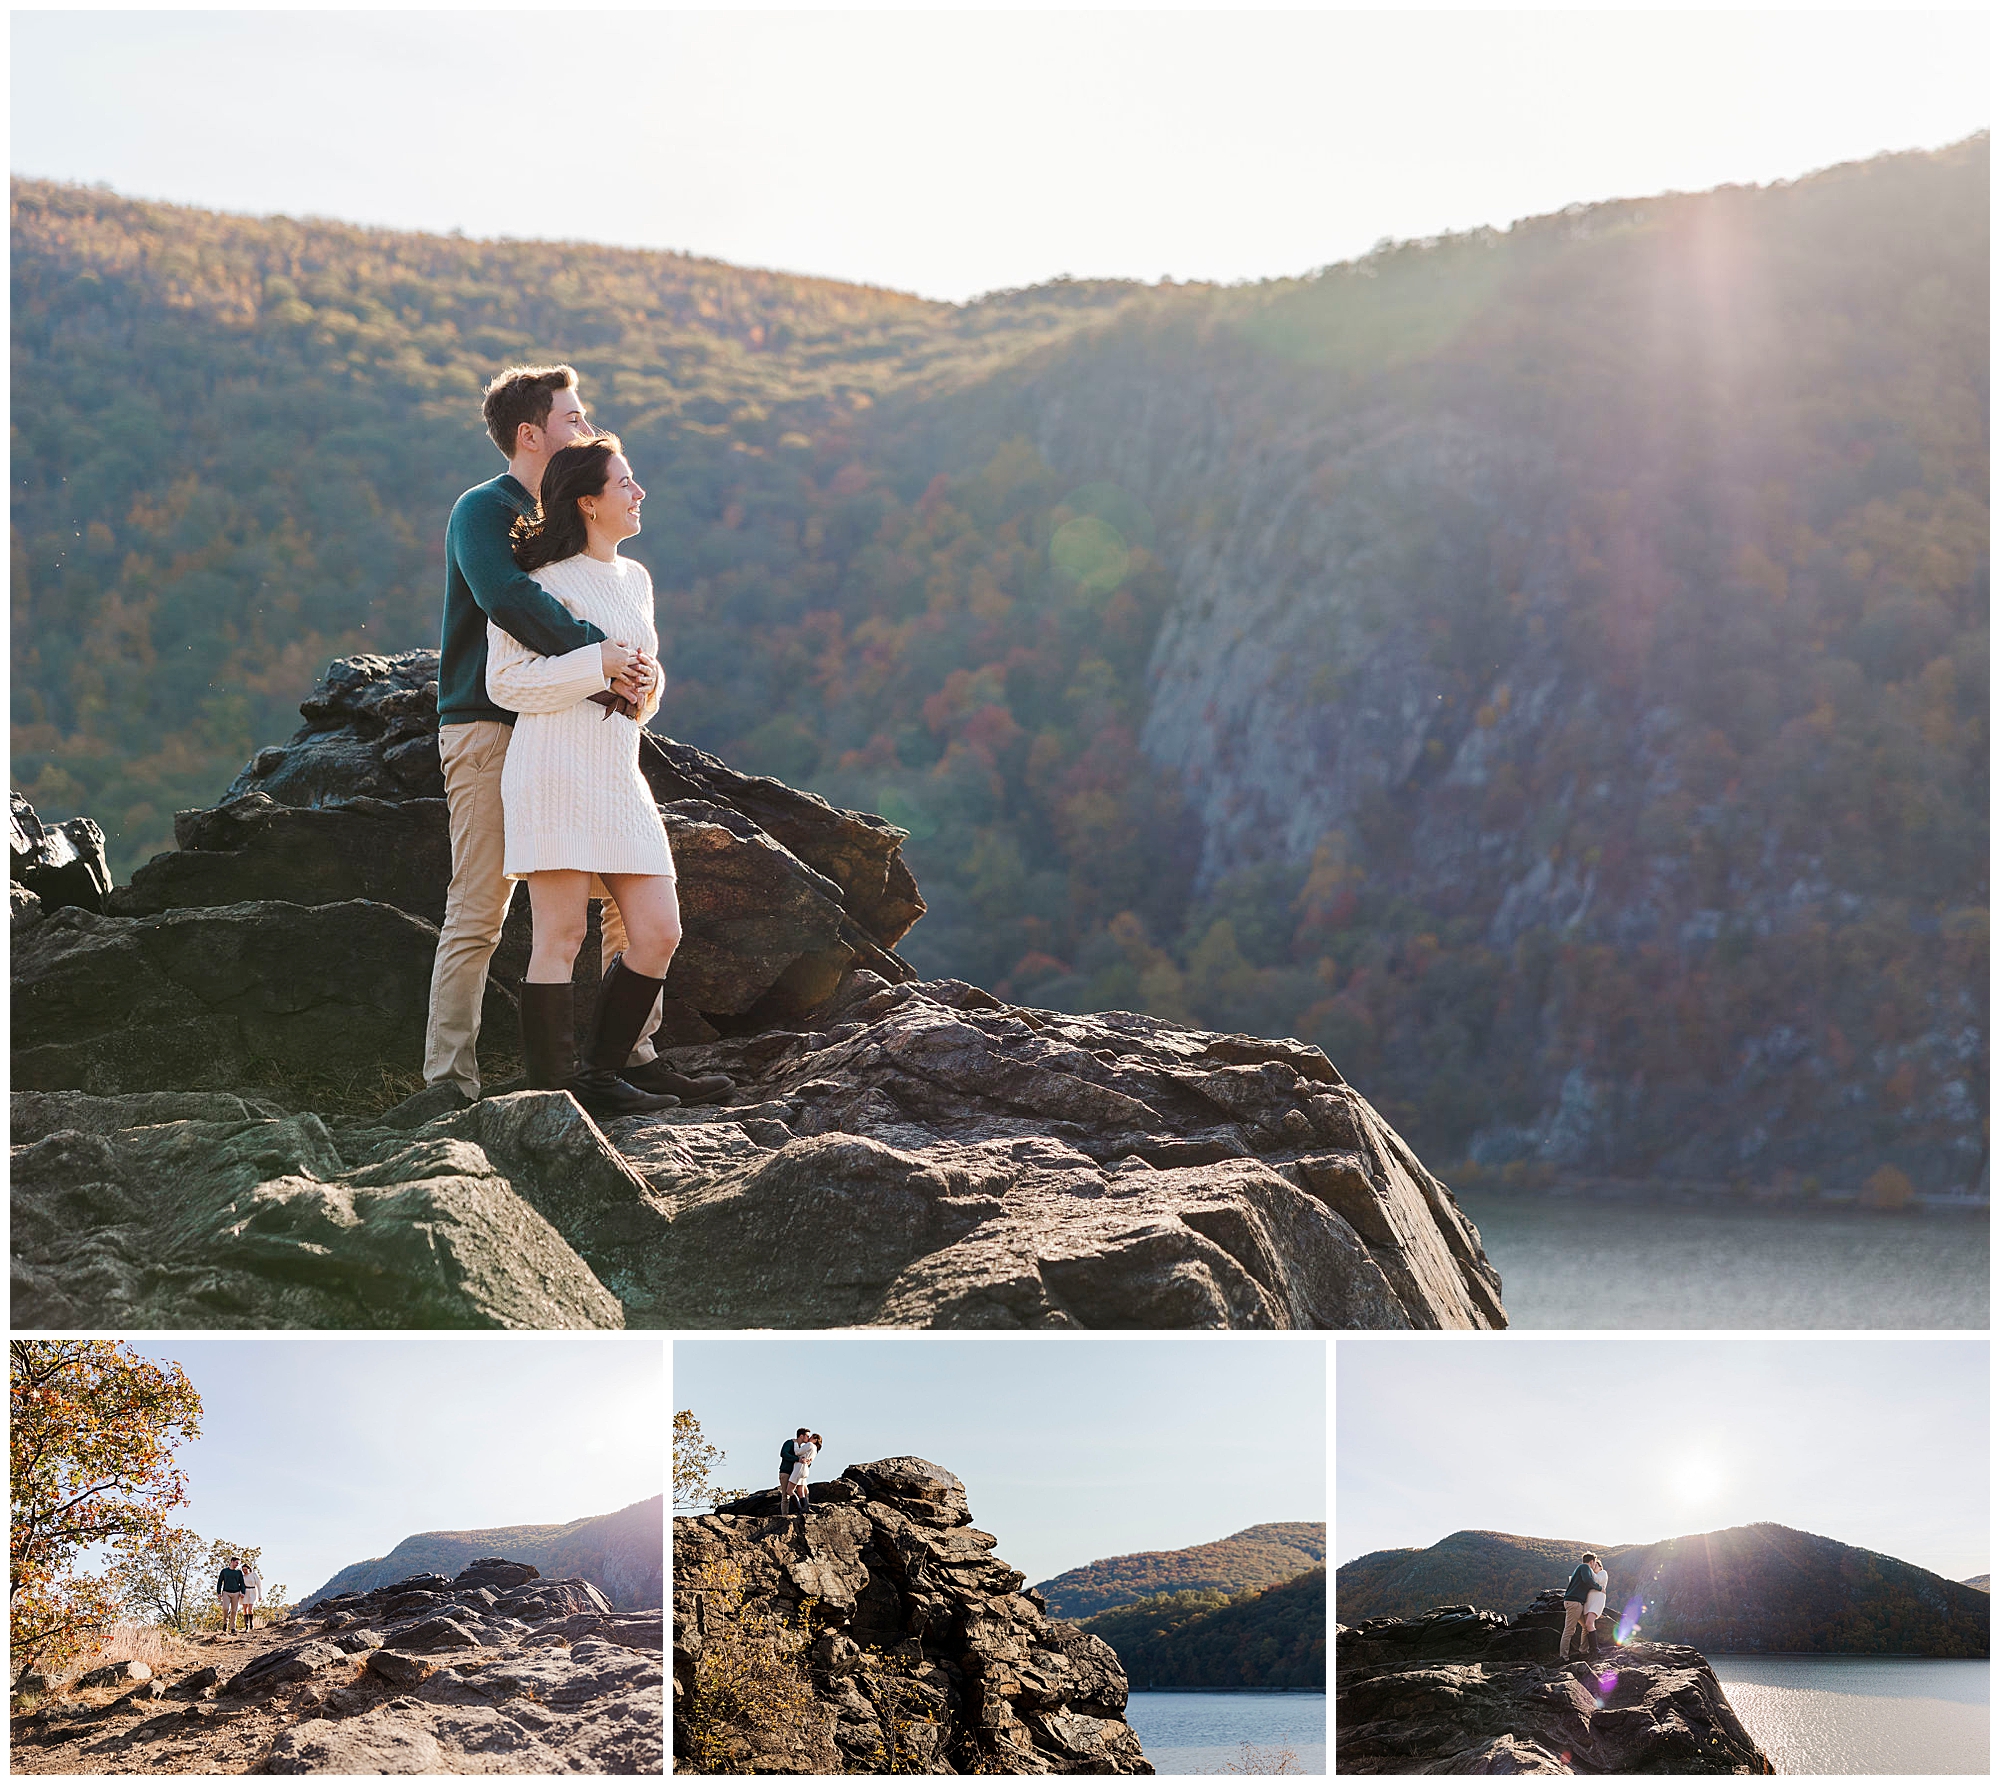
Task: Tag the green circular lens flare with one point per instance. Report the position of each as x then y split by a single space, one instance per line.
1091 551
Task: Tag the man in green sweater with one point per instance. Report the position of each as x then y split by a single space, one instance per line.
531 412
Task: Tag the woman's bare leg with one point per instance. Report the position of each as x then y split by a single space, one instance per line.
651 908
560 898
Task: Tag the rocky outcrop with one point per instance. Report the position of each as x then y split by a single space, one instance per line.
780 892
189 1066
494 1671
1459 1690
53 866
917 1649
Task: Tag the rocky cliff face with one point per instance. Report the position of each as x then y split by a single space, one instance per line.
1465 613
922 1651
621 1553
1459 1690
496 1670
192 1069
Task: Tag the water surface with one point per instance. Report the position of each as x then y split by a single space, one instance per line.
1587 1261
1204 1732
1861 1714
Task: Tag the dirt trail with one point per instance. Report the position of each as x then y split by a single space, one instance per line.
106 1730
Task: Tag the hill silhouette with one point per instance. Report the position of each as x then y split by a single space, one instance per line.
1762 1588
1546 668
620 1553
1260 1556
1267 1639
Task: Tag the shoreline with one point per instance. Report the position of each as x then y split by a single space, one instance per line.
1226 1691
1693 1194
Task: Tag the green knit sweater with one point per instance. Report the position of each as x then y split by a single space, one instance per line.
482 582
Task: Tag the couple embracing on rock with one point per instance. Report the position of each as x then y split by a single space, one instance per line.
1583 1604
548 671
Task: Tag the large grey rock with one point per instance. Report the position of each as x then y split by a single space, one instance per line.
937 1159
781 893
1460 1691
929 1656
127 1213
224 997
932 1159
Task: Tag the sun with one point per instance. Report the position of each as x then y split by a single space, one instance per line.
1697 1480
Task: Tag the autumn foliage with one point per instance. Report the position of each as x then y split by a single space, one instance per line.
91 1426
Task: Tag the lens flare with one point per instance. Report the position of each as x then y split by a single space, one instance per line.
1628 1620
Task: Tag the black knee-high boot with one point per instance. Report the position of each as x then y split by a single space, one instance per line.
548 1035
624 1001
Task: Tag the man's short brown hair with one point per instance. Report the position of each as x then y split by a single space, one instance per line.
522 394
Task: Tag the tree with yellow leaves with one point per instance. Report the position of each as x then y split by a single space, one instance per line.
92 1426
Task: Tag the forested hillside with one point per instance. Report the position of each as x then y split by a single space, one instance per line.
1269 1639
1761 1588
1547 668
1255 1558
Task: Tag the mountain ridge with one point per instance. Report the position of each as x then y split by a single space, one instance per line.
1758 1588
1255 1557
621 1553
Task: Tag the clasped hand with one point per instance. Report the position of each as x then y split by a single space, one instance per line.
631 670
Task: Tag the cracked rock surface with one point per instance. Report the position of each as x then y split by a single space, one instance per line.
929 1651
494 1671
1460 1690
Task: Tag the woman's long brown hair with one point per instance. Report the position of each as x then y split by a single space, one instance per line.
555 530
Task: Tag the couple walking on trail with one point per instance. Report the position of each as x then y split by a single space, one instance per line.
1583 1604
239 1588
548 671
795 1461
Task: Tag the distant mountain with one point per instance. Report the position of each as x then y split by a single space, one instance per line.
1984 1582
621 1553
1761 1588
1266 1639
1258 1557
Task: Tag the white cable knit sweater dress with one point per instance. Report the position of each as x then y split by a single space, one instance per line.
571 789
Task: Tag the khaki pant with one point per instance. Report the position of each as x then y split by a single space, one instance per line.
475 908
1572 1620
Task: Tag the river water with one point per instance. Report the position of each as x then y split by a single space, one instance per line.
1585 1261
1861 1714
1205 1732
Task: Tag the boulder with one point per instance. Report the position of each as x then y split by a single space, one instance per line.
494 1571
59 864
931 1158
280 1666
221 997
1465 1691
916 1645
781 892
118 1673
132 1212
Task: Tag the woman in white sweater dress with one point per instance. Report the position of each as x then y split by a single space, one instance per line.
579 814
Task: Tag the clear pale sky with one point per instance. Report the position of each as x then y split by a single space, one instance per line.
952 152
1071 1448
1879 1443
330 1451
